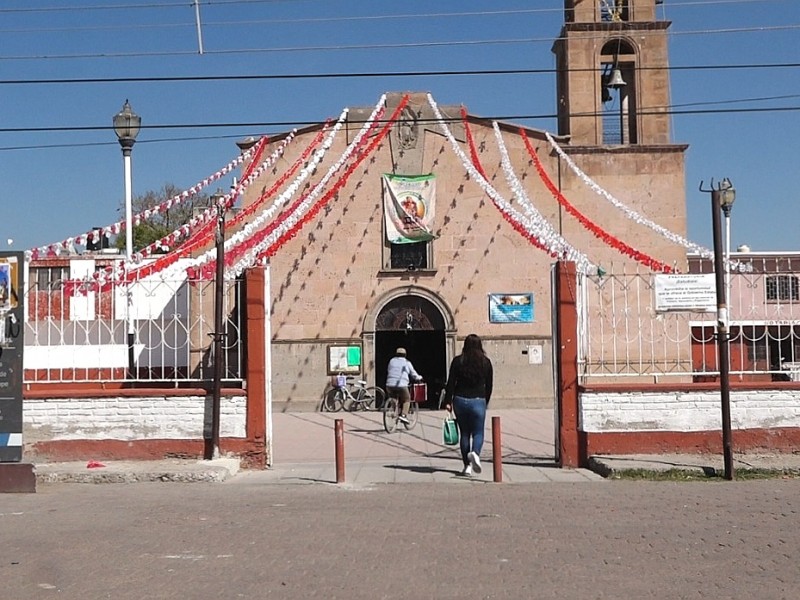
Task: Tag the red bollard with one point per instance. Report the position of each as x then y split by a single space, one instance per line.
338 428
497 451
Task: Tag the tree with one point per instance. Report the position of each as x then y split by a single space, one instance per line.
165 222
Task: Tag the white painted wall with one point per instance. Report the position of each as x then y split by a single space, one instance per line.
130 418
682 411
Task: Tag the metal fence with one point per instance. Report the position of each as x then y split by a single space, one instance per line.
623 336
74 337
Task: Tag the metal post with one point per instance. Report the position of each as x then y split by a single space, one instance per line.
126 126
726 210
723 337
219 292
338 429
130 330
497 451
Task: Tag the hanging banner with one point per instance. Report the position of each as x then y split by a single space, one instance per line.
408 204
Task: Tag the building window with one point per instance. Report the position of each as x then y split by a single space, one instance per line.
618 93
614 10
50 278
783 288
409 257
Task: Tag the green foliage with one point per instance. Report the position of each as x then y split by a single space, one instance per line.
164 223
703 474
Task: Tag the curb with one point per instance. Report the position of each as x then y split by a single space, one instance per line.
215 471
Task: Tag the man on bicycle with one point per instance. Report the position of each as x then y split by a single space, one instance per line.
399 374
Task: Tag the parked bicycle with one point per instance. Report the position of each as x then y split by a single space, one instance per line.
353 394
391 409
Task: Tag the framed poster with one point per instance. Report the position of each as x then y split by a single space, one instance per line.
511 308
5 286
344 359
10 284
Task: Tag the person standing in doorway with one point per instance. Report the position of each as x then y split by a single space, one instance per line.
399 374
468 392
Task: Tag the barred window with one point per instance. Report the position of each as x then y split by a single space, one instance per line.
783 288
50 278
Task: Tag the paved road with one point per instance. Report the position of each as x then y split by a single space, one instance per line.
247 538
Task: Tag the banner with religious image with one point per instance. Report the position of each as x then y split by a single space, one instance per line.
408 204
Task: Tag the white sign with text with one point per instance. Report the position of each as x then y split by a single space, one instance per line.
691 293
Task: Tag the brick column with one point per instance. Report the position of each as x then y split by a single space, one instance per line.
572 443
255 366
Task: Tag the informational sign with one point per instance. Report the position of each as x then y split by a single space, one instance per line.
344 359
689 293
11 319
511 308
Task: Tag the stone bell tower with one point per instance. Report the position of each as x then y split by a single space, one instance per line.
612 73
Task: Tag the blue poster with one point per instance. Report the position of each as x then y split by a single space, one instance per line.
511 308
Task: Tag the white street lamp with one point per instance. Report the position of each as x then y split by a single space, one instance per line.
126 125
727 194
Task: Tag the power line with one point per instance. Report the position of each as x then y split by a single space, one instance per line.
295 21
367 75
183 5
356 47
302 123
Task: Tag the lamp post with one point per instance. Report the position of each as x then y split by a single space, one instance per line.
212 445
126 125
727 196
722 196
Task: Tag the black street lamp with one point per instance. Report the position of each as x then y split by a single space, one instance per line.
126 125
721 201
212 444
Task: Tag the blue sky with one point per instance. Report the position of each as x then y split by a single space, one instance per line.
61 183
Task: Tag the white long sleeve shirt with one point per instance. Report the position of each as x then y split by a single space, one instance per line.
400 372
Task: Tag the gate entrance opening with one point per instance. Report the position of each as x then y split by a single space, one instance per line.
414 323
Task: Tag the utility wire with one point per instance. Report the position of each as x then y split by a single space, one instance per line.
183 5
368 75
356 47
304 123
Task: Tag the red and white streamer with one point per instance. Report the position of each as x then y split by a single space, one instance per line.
521 223
607 238
291 222
273 248
115 228
636 216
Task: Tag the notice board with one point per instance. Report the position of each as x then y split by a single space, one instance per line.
11 345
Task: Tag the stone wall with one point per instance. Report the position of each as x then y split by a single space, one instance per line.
121 418
687 411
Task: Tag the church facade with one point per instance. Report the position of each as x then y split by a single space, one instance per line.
434 223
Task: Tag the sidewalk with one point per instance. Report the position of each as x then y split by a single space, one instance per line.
303 451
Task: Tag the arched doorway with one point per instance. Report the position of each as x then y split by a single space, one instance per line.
416 320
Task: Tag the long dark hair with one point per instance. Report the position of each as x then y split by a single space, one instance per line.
473 359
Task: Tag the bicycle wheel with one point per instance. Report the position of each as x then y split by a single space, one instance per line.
371 397
340 397
390 415
413 413
331 402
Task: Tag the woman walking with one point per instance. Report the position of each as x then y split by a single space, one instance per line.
468 391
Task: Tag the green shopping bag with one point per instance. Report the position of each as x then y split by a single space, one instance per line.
450 431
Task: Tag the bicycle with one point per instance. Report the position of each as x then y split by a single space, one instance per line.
391 413
353 395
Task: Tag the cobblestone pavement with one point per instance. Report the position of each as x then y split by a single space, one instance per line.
249 539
